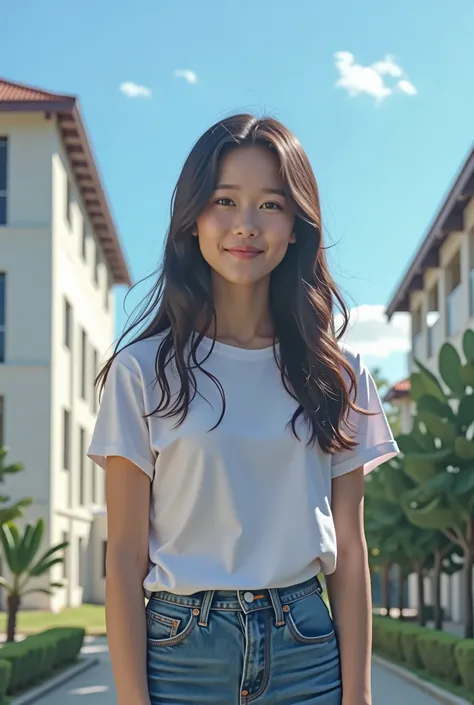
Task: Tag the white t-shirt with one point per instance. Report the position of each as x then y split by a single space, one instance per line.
246 505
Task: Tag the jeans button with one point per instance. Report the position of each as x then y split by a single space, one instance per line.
248 597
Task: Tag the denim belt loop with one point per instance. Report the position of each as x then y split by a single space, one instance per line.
205 608
277 607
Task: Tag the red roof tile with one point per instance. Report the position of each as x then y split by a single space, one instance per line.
18 92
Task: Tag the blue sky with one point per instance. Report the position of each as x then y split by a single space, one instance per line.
384 143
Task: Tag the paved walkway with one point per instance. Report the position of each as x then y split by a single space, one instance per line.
95 687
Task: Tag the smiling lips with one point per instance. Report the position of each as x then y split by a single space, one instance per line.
244 252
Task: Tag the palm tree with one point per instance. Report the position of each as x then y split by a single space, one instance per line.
15 510
20 551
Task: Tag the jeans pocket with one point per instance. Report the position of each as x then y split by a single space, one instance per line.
309 621
168 624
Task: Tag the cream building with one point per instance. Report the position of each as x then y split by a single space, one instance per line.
438 293
59 259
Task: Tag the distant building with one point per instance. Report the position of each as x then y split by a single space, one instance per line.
438 293
59 259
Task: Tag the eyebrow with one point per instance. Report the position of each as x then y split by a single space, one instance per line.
278 191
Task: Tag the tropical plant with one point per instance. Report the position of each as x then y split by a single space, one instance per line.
21 555
439 455
12 511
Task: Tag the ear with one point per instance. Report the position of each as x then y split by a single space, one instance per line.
292 238
194 231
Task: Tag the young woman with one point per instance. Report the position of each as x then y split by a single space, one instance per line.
235 431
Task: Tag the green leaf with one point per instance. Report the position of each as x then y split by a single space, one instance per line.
443 481
417 389
54 549
432 516
449 362
408 444
464 448
6 585
32 543
10 541
418 469
430 383
33 591
435 406
465 414
464 481
438 427
42 568
467 374
468 345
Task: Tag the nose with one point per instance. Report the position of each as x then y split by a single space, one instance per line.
246 226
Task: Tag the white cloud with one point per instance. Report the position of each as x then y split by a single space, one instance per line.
133 90
186 74
357 79
407 87
372 335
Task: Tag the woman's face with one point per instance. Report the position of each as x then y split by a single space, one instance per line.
245 229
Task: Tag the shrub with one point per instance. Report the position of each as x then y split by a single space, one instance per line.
437 653
38 656
5 673
464 655
386 635
409 645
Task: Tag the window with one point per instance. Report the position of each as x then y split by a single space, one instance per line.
64 539
67 323
95 371
83 363
3 286
84 239
2 421
66 439
68 201
104 558
82 478
3 180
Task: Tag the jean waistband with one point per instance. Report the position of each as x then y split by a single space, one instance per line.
242 600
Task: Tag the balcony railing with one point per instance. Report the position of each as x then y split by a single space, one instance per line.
453 322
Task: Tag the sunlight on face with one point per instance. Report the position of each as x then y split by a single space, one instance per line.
245 229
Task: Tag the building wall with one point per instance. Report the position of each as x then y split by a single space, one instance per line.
41 251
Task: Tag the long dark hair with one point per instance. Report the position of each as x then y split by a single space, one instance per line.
303 296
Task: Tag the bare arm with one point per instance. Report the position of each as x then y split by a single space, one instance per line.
349 589
128 502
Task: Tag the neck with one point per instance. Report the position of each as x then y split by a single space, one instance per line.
242 313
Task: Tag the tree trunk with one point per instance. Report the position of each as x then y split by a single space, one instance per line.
13 607
420 581
386 587
401 594
438 612
469 610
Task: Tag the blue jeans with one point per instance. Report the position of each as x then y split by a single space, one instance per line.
273 647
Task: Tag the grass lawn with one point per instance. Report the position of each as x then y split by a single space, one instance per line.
91 617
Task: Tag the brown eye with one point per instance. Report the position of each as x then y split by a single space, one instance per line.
271 206
224 202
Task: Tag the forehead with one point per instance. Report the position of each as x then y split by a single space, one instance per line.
250 166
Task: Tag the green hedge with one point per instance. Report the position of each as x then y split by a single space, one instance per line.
443 655
37 657
464 654
5 672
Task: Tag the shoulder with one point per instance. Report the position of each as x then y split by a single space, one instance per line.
139 357
353 358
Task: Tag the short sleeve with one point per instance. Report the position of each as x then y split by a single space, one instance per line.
373 434
120 428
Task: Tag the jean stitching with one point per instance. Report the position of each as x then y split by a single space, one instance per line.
173 641
266 672
307 639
